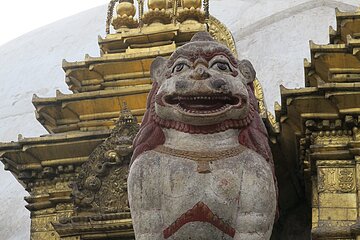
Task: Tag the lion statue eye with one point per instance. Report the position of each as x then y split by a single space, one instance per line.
222 66
180 67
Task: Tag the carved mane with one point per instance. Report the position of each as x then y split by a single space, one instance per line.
150 134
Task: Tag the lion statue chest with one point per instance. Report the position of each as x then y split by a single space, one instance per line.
185 204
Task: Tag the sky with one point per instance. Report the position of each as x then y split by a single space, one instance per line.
18 17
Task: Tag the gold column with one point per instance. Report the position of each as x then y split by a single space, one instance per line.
355 145
48 202
335 207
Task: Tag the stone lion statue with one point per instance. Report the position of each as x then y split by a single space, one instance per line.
202 166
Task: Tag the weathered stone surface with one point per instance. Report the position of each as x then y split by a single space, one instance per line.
202 167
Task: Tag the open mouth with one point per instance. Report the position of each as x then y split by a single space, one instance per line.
203 104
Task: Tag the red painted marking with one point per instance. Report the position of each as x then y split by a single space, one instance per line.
199 213
224 182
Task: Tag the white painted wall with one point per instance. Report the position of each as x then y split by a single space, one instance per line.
272 34
32 64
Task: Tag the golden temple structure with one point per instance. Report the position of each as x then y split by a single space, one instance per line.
319 131
76 175
103 87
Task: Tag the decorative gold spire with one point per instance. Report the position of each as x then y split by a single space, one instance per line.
158 13
191 11
126 8
125 16
191 4
158 4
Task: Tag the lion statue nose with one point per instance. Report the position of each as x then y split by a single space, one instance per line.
218 84
200 73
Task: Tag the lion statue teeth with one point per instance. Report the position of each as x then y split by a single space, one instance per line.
202 166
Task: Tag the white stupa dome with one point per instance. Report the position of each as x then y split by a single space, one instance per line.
272 34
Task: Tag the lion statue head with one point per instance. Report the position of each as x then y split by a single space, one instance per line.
202 89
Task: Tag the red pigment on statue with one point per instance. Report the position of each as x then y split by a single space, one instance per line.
199 213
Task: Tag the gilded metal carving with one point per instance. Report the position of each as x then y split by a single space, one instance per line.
336 180
222 34
101 182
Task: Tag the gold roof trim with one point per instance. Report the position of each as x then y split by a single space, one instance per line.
347 23
89 111
35 154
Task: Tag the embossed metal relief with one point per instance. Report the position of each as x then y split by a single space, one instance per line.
336 180
101 182
222 34
332 137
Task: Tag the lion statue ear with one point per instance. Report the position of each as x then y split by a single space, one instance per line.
247 70
157 69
